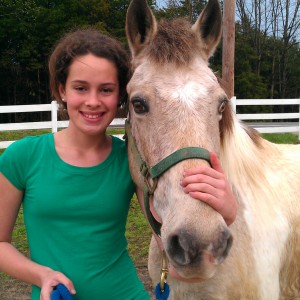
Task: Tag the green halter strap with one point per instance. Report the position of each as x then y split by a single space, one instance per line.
151 174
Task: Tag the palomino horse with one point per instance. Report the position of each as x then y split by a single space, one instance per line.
177 103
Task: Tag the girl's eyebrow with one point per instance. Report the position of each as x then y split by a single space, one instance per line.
102 83
78 81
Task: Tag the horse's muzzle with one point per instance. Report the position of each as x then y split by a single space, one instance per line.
186 251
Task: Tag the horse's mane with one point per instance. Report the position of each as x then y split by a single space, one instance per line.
174 42
227 122
246 157
226 127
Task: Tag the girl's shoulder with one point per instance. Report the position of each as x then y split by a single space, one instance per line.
28 144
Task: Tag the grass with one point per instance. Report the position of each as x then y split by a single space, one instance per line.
138 234
281 138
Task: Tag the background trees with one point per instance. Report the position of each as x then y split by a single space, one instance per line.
272 28
267 54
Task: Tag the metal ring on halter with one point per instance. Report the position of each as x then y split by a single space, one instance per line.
164 271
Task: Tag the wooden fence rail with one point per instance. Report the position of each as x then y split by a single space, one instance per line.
263 127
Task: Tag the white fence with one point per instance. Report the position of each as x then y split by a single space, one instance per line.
54 124
265 127
271 127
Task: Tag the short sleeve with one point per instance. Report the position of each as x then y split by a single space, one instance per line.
13 163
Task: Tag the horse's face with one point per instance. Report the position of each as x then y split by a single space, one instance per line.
176 102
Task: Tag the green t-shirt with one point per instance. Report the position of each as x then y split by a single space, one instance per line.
75 217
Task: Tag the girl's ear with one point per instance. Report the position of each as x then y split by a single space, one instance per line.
61 90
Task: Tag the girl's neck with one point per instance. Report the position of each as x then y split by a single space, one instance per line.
82 150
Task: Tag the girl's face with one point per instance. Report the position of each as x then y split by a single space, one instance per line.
91 93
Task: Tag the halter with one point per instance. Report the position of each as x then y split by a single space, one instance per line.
151 174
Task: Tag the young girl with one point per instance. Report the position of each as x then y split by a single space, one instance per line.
75 185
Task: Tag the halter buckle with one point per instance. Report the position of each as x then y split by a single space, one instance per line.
150 182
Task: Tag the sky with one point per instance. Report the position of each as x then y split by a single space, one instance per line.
160 3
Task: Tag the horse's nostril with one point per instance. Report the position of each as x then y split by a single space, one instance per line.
183 249
228 246
225 243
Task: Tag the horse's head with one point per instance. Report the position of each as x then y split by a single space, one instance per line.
177 102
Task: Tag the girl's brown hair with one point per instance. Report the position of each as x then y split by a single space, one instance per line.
82 42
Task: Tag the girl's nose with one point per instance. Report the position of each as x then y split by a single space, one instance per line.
93 99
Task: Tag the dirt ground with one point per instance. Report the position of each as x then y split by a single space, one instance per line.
16 290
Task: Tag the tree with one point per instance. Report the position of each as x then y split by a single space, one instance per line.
276 23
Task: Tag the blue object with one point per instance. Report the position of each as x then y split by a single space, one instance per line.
60 292
162 295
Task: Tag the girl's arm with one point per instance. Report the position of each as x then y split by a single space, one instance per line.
12 261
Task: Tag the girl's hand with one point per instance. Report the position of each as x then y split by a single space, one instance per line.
50 280
210 186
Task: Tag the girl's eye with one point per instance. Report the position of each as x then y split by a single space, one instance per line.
79 88
140 106
107 90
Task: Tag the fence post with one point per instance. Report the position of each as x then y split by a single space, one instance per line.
233 103
299 125
54 108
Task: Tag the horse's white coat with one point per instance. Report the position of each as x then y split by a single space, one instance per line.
269 199
267 223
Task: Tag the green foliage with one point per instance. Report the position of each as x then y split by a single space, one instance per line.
29 29
250 86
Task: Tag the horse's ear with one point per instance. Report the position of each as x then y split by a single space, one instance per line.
209 26
140 25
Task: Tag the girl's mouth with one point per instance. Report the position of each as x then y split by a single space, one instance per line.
92 116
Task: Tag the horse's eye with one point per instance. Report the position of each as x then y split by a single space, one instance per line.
140 106
223 105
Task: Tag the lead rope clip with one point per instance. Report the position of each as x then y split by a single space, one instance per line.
162 290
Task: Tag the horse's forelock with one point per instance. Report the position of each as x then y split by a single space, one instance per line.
174 42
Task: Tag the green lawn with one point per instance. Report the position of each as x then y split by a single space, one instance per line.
281 138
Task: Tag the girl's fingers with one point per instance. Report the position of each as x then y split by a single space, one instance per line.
216 191
214 171
213 179
205 174
215 162
209 199
52 282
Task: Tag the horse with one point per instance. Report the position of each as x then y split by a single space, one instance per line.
178 113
